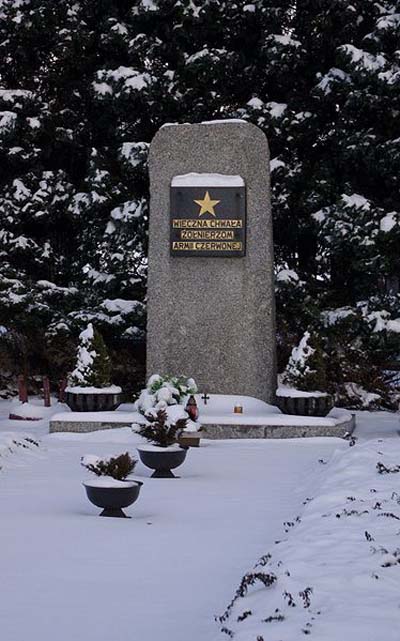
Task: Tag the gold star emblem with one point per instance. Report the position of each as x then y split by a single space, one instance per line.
207 205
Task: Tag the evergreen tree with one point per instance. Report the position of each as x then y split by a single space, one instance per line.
363 90
358 228
93 367
85 85
328 102
306 369
73 203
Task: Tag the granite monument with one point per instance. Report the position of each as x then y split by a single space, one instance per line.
211 312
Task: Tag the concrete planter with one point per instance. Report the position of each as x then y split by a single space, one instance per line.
305 405
113 499
162 460
81 402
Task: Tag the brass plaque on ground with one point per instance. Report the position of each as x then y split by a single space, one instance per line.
208 221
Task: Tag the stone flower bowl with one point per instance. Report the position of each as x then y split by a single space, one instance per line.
318 404
98 401
112 495
162 459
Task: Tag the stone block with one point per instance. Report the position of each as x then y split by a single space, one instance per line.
213 318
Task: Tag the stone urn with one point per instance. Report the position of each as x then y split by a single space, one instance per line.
93 399
304 403
112 495
162 459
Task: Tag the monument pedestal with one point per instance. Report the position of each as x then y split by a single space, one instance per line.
219 421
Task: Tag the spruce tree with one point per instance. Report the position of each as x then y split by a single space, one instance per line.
359 227
84 86
328 101
73 194
306 368
87 86
93 367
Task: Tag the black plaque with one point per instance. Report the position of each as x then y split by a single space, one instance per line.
208 221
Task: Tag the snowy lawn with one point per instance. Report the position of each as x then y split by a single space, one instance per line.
336 572
164 573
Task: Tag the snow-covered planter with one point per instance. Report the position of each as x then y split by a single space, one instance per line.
112 495
292 401
89 386
162 391
93 399
164 453
305 374
111 491
162 459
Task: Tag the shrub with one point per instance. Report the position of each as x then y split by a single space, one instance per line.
162 391
118 467
161 430
306 369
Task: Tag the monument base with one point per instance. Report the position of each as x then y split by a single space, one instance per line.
339 429
219 420
257 419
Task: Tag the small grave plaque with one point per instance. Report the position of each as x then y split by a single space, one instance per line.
208 216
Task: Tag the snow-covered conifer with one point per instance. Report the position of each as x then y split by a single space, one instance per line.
92 363
306 369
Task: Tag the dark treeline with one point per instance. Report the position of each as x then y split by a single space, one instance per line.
85 84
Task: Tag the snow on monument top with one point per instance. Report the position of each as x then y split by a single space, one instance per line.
221 121
224 121
207 180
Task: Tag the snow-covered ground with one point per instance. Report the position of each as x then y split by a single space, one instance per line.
166 572
336 572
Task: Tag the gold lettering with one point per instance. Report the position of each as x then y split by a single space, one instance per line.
194 223
182 246
207 234
207 246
